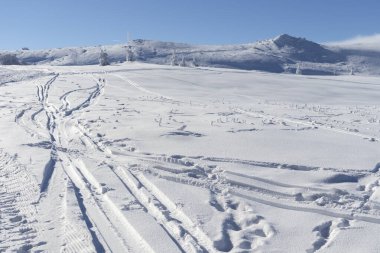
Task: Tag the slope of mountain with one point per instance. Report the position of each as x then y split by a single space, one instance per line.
301 49
283 54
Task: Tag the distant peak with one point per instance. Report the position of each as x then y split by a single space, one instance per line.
295 42
286 39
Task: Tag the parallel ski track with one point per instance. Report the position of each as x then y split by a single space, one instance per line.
179 226
223 184
158 211
81 183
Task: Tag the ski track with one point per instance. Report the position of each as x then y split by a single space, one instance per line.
78 181
175 226
266 196
54 119
273 199
80 178
252 229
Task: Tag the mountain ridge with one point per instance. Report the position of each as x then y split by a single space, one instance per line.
282 54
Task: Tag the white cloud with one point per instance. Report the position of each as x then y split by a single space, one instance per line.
370 42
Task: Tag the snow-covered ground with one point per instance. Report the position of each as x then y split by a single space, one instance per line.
147 158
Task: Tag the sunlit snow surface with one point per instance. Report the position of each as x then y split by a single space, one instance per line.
148 158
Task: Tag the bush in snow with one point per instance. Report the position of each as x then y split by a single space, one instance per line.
103 58
74 57
129 56
138 54
183 62
194 62
173 59
9 59
299 70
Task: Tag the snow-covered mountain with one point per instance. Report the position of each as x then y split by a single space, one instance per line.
281 54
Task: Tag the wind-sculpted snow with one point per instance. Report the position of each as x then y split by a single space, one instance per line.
149 158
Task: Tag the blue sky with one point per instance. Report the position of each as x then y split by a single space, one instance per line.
59 23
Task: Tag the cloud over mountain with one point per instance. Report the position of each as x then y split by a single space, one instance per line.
370 42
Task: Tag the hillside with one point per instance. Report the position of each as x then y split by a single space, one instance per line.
283 54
